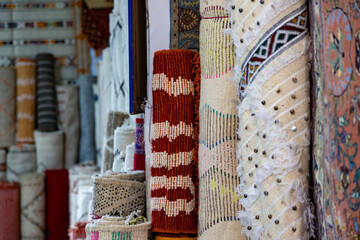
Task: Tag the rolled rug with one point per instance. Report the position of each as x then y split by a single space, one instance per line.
20 159
87 119
25 100
2 165
115 119
129 157
335 31
69 119
46 114
79 174
57 204
172 173
7 101
123 136
139 153
218 180
117 194
9 206
49 150
274 130
115 228
32 205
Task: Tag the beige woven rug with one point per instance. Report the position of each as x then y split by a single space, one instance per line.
271 40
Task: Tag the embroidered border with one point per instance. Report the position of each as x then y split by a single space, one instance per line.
274 42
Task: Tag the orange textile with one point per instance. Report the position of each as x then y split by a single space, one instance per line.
25 100
173 191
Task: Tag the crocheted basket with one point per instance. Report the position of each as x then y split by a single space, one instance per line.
114 228
137 176
116 196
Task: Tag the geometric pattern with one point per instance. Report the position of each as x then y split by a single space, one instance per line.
273 43
36 24
172 182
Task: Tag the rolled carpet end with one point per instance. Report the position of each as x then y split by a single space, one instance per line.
49 150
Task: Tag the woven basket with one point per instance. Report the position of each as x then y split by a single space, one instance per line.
109 228
116 196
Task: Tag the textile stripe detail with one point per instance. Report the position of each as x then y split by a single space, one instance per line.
36 24
121 236
169 161
46 93
164 129
18 42
173 208
51 5
180 86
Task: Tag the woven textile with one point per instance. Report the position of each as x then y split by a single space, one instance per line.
25 100
2 165
113 228
185 24
119 53
139 154
123 136
115 119
20 159
49 150
95 25
7 103
218 200
9 206
69 119
172 173
32 205
129 157
272 66
78 175
118 194
87 117
57 204
105 88
82 47
45 93
84 196
30 28
78 232
336 78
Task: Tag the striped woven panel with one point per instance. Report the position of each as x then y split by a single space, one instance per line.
25 100
172 172
45 93
41 26
7 106
9 207
218 199
336 94
271 40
